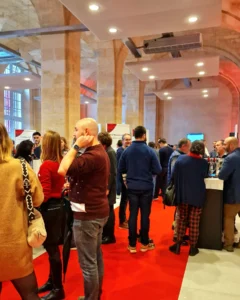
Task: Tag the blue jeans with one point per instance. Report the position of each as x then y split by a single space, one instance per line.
143 200
88 239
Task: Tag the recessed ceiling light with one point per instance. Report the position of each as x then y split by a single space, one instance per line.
166 93
200 64
205 96
145 69
192 19
86 102
151 77
201 73
204 91
112 30
27 79
169 98
94 7
7 87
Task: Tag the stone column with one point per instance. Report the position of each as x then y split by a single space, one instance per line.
27 109
2 69
60 88
35 108
159 118
111 58
135 100
150 115
2 106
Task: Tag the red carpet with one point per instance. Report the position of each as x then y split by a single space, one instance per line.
154 275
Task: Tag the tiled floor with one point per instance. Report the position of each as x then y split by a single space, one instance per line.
212 275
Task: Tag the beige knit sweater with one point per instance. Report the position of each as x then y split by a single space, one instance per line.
15 254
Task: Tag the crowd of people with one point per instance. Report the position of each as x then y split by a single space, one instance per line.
94 175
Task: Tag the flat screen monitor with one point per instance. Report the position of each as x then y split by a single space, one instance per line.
195 136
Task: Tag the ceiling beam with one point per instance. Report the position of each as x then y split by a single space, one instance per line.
88 88
44 30
132 47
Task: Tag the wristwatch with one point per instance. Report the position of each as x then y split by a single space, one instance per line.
76 147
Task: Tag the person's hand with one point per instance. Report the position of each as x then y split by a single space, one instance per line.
107 192
66 185
84 141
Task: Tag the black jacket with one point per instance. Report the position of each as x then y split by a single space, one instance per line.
113 174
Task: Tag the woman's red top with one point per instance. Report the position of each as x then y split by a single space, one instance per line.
51 181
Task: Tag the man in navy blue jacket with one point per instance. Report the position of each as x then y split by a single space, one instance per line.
230 173
139 162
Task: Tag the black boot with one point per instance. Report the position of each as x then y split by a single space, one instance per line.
193 251
57 293
48 286
175 248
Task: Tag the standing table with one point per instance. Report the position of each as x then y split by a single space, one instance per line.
211 223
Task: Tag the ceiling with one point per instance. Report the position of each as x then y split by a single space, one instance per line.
192 93
138 18
170 68
17 82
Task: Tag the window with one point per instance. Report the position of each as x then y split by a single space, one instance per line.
13 111
12 69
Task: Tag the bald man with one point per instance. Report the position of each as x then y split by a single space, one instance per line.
89 175
230 173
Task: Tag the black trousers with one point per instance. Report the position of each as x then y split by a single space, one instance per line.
157 187
55 274
163 180
54 217
108 229
123 205
26 287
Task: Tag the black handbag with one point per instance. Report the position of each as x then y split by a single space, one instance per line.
169 198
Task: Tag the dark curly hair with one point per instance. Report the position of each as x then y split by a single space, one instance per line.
198 148
105 139
24 150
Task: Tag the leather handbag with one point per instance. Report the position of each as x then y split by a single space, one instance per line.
36 228
169 198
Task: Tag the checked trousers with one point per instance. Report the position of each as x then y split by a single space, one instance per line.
188 216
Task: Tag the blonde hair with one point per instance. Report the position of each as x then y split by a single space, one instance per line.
66 148
51 146
6 144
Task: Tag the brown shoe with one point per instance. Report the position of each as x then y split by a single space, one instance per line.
145 248
132 250
228 248
124 225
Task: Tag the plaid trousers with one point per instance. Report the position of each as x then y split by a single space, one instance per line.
188 214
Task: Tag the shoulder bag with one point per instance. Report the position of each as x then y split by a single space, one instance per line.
169 198
36 229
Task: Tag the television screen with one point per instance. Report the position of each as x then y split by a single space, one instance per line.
195 136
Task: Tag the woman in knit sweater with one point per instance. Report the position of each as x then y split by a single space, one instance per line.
52 211
15 253
188 176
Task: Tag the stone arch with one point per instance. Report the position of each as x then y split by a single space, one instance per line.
50 13
231 14
231 85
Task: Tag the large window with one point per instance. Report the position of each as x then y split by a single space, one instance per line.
13 69
13 111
